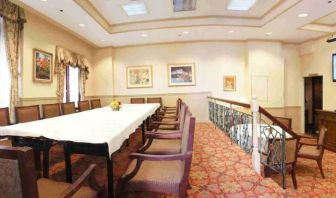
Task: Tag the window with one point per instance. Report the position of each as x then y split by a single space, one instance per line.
5 77
71 86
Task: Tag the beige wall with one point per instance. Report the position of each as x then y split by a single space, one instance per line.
317 59
43 35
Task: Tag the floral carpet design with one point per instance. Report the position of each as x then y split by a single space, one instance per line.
219 169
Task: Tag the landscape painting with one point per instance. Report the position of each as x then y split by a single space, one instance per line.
42 66
181 74
139 76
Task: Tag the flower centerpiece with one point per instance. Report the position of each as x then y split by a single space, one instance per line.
115 105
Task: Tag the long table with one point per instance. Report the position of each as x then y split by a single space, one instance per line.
95 132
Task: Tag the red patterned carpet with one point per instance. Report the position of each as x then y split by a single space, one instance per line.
219 169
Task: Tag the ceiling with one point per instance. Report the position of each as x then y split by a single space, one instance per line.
106 24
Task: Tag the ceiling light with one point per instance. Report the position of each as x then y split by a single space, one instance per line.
185 32
102 40
230 31
81 25
184 5
43 0
241 5
144 35
133 9
268 33
302 15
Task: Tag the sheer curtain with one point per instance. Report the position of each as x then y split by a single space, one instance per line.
5 79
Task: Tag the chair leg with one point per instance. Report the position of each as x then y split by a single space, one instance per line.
293 172
46 163
319 163
37 155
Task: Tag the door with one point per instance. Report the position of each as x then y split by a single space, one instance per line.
313 101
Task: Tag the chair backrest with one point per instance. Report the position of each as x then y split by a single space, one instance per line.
155 100
4 116
137 100
17 172
95 104
51 110
27 113
188 133
321 140
182 115
286 121
68 108
83 105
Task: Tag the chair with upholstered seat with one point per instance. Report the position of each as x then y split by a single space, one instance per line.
171 122
51 110
68 108
145 172
165 142
313 151
28 114
4 116
17 166
155 100
95 103
83 105
137 100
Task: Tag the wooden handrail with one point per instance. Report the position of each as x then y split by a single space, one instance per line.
262 111
231 102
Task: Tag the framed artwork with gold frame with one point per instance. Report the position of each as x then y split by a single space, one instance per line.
229 83
42 66
181 74
139 76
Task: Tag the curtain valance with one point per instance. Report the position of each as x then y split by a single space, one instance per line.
12 12
65 57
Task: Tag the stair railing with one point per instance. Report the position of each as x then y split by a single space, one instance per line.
255 130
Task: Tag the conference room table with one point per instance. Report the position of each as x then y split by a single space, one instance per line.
99 132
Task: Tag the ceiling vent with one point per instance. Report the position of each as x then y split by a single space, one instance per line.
184 5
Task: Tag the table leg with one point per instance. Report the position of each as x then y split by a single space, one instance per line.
67 158
143 132
109 163
46 162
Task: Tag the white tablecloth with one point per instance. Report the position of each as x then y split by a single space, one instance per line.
94 126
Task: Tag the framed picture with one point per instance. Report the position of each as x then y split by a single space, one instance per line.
42 66
139 76
229 83
181 74
334 67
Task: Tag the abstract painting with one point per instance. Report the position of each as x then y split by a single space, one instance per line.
139 76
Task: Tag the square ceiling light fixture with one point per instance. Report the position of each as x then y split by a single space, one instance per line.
184 5
133 9
240 5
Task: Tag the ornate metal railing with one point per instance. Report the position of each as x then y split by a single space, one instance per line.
254 130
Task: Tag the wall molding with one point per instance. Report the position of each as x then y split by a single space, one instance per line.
164 94
37 98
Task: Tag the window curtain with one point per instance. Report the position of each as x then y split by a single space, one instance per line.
65 57
13 21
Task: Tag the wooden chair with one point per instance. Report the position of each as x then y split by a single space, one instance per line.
95 104
286 121
137 100
4 116
160 173
313 151
171 122
68 108
163 142
83 105
19 178
155 100
51 110
27 114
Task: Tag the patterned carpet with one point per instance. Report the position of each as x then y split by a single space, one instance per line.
219 169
